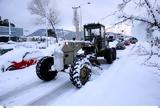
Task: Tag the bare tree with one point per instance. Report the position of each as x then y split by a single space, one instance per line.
45 12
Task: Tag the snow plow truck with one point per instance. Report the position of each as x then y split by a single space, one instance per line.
79 66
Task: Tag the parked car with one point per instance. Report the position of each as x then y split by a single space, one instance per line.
126 42
113 44
120 46
133 40
111 38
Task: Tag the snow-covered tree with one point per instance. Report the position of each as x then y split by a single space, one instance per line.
144 11
45 12
147 14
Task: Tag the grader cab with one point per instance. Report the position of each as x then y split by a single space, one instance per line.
95 33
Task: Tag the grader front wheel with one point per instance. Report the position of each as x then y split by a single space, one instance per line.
43 69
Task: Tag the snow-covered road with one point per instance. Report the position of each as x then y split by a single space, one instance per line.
126 82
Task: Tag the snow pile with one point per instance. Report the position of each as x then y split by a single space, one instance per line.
153 61
151 54
139 31
142 49
17 55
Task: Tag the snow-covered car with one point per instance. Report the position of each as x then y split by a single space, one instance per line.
120 46
19 59
113 44
3 51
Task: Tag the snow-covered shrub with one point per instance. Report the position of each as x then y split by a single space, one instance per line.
142 49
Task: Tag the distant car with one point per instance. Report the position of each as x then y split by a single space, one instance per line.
126 42
133 40
113 44
20 60
111 38
120 46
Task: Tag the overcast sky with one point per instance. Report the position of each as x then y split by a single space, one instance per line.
17 12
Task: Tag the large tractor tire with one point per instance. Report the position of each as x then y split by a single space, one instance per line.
114 53
80 72
109 55
43 69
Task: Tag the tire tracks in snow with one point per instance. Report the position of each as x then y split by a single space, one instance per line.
36 91
18 90
53 94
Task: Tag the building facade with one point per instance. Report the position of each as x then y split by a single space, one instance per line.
16 33
7 34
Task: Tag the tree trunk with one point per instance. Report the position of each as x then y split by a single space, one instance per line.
54 30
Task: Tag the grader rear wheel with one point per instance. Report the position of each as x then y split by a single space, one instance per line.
80 73
109 56
114 53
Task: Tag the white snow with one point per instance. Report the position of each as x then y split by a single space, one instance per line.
113 44
128 81
139 30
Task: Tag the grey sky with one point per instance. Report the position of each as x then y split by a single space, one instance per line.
16 11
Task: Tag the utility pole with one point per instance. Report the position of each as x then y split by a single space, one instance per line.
81 19
76 21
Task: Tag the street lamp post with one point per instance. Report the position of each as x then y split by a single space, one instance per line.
80 17
76 21
81 21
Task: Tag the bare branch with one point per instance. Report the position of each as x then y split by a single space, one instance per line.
123 5
151 11
120 22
